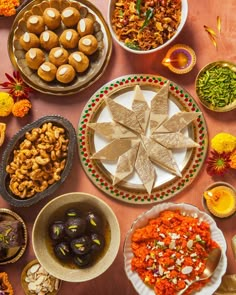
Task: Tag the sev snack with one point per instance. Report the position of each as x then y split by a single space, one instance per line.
145 25
171 251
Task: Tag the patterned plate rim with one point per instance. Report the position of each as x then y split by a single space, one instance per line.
170 189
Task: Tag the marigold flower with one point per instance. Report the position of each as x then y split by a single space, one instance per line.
218 163
6 104
232 162
16 86
8 7
223 142
21 108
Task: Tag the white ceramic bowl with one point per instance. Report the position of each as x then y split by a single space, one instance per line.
142 220
44 252
184 15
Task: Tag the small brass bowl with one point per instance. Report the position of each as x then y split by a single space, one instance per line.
206 102
207 207
25 284
14 254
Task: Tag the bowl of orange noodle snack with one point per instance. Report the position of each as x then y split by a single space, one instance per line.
145 26
167 248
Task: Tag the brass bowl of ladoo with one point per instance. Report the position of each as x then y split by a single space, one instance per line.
215 86
97 61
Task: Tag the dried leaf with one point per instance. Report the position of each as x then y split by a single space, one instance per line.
213 40
210 31
218 23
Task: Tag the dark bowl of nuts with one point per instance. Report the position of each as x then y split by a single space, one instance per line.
215 86
37 160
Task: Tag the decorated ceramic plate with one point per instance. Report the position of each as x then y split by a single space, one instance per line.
13 254
97 61
189 210
101 171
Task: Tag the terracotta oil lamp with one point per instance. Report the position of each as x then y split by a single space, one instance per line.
180 59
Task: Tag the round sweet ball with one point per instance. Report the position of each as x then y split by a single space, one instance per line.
34 58
79 61
48 40
35 24
47 71
70 16
52 18
85 27
29 40
58 56
88 44
65 74
69 39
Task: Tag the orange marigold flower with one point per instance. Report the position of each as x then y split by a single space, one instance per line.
8 7
232 158
21 108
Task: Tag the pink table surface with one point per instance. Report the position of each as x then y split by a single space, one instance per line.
114 280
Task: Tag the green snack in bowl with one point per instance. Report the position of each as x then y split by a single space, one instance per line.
216 86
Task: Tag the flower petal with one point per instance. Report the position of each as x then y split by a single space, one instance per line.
218 23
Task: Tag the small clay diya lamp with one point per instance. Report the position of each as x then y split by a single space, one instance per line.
180 59
220 199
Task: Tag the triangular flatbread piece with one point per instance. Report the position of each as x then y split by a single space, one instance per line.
159 107
111 130
145 169
141 108
123 115
161 156
125 164
115 149
178 121
174 140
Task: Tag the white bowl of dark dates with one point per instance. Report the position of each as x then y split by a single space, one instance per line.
76 237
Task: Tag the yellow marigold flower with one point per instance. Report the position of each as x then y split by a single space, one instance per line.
21 108
223 142
2 132
232 158
6 104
